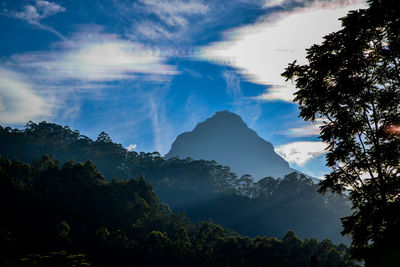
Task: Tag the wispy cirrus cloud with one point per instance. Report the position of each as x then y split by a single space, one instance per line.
274 3
232 84
308 130
18 100
263 50
150 30
180 22
35 12
156 20
94 56
290 3
250 111
163 131
89 61
302 151
175 13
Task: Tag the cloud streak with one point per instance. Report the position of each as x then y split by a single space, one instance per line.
306 131
150 30
89 61
18 101
248 110
95 57
232 84
161 20
104 58
262 51
163 132
274 3
34 13
175 13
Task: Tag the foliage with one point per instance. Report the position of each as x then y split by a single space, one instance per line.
351 83
122 223
202 189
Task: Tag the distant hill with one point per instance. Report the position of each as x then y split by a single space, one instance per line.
227 139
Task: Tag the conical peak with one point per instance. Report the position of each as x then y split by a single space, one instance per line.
227 139
225 114
223 119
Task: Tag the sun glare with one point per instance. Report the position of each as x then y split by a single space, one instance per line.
393 129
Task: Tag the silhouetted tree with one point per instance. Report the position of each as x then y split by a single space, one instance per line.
351 83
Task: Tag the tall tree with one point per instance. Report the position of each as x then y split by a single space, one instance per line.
352 83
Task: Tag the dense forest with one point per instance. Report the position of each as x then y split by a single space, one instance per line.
201 189
70 215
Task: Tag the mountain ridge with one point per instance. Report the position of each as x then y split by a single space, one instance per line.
227 139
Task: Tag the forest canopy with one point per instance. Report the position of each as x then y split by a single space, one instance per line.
70 214
202 189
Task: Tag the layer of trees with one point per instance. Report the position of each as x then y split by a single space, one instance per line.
70 215
202 189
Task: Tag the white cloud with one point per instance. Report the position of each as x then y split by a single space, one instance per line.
87 62
110 61
286 3
301 152
165 20
48 8
40 10
33 14
250 111
263 50
18 101
29 14
162 130
131 147
273 3
96 57
307 130
176 12
278 93
232 84
150 30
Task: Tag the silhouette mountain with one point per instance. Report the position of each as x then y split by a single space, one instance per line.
227 139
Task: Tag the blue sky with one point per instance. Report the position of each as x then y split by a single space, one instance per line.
145 71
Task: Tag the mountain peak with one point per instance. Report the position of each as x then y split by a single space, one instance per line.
225 114
222 121
226 138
